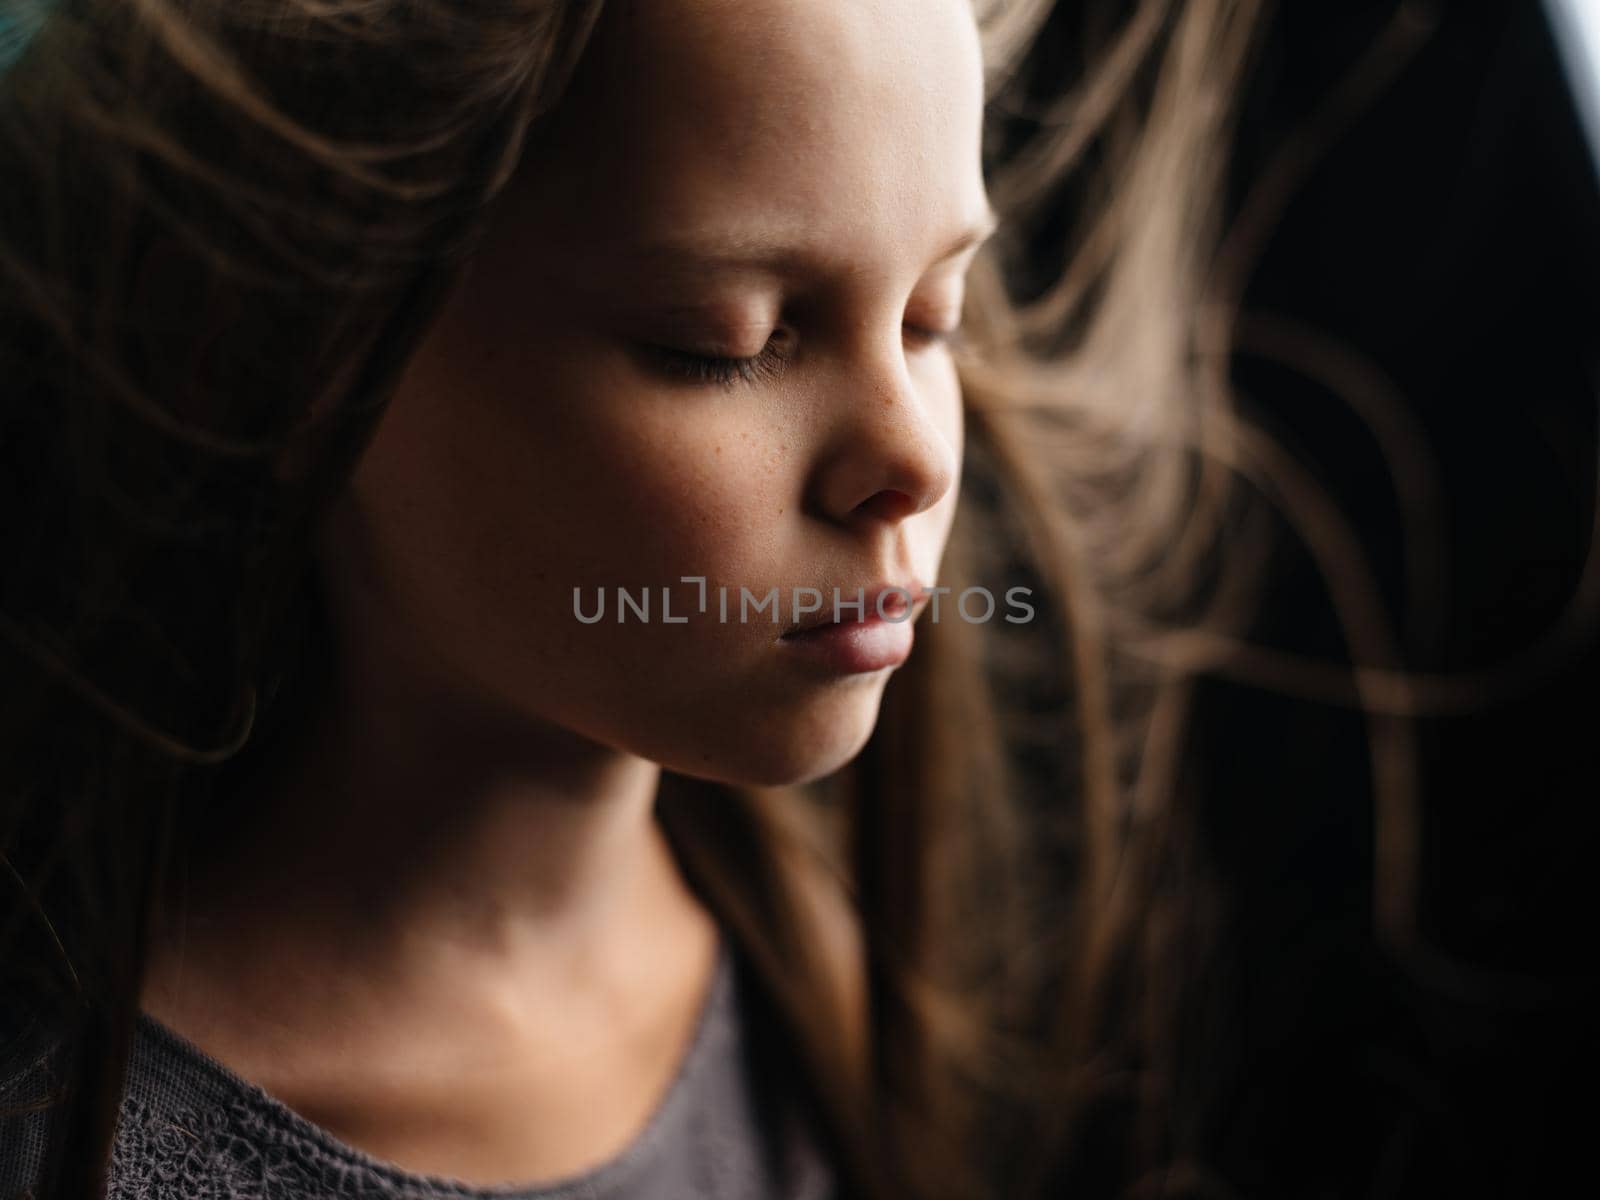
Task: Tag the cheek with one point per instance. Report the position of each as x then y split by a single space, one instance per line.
537 475
652 487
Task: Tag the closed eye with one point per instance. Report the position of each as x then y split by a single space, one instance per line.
722 370
691 367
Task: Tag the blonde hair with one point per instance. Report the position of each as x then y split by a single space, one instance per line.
220 253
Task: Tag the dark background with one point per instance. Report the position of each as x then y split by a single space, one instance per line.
1452 238
1448 239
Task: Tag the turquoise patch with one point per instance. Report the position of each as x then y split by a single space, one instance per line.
20 20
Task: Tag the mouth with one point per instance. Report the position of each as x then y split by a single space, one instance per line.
886 603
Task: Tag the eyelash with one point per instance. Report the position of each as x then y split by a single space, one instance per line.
709 368
769 364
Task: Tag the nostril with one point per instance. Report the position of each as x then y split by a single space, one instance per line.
890 504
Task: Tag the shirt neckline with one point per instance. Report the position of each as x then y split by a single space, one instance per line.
167 1042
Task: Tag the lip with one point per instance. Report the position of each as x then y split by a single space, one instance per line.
852 647
823 618
857 646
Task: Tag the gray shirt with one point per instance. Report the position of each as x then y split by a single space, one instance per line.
190 1127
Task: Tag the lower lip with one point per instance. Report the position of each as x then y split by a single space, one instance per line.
853 647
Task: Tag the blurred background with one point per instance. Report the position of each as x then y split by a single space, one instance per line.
1422 332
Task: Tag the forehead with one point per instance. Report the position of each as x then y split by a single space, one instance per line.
847 122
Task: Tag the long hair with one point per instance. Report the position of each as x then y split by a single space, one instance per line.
225 225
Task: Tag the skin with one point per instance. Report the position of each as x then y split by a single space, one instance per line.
453 898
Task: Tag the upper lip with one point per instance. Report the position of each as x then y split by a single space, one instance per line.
847 596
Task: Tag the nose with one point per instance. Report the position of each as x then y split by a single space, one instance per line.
886 457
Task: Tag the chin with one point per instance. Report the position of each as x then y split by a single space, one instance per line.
787 748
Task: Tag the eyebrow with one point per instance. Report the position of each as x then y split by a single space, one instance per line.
764 252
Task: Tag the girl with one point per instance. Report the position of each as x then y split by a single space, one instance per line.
353 349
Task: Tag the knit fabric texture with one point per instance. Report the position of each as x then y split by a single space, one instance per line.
191 1129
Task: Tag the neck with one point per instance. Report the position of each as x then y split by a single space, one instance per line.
414 815
433 904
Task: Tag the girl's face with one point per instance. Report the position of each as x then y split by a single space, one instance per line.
794 184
